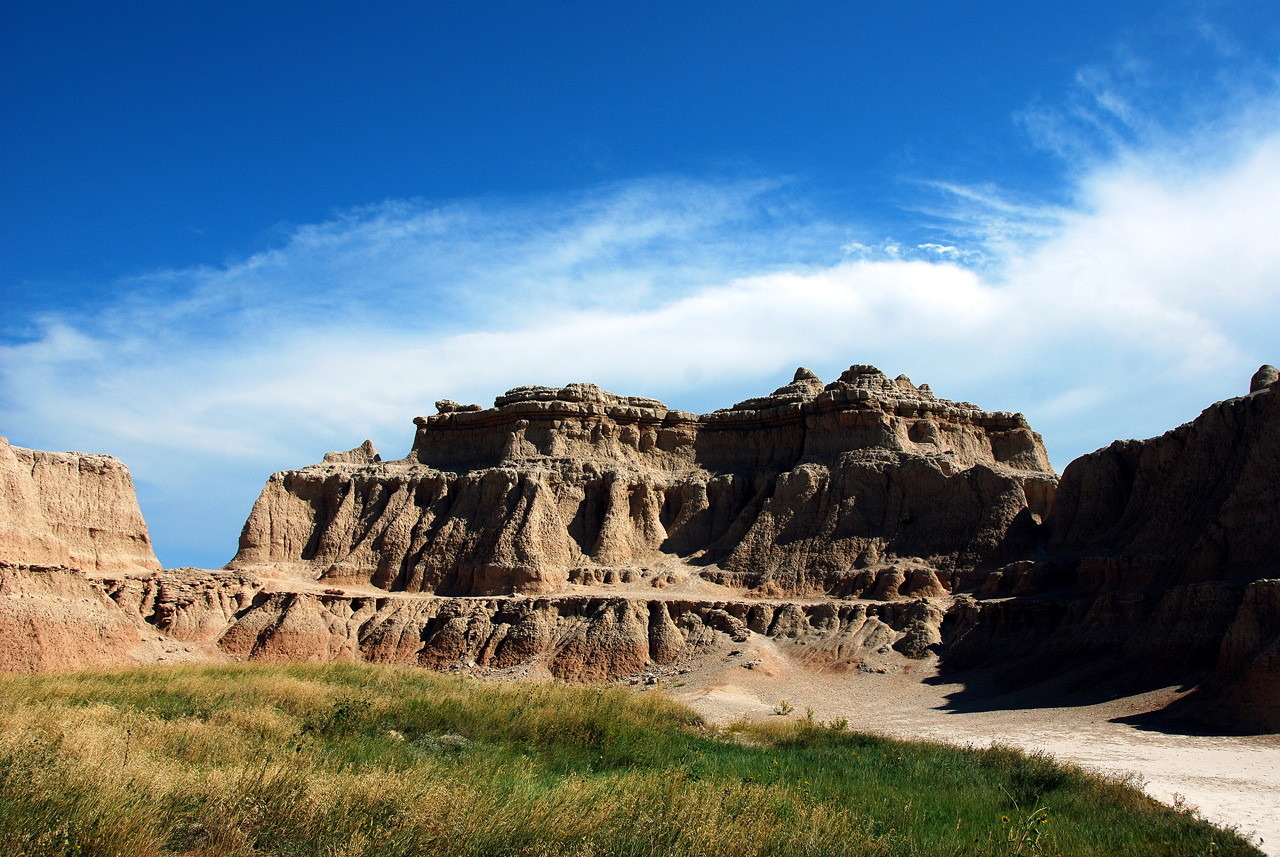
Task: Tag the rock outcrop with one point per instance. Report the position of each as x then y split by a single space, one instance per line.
814 489
51 617
70 509
1244 690
1159 564
579 534
592 636
1198 503
188 604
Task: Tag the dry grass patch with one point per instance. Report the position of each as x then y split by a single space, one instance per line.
366 760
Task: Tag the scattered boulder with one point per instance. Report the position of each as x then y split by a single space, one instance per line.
1263 378
362 454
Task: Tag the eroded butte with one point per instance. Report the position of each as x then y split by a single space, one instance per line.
863 527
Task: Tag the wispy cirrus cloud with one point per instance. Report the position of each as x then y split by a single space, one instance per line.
1152 291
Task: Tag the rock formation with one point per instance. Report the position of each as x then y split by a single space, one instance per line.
51 617
1198 503
580 534
812 490
70 509
1159 564
576 637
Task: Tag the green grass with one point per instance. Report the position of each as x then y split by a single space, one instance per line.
365 760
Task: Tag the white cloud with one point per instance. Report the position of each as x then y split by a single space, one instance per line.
1156 292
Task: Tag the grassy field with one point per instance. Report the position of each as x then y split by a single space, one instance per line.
365 760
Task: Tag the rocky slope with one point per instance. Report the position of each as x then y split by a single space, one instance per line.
815 489
52 618
70 509
591 635
56 618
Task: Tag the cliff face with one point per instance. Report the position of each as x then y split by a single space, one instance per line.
53 618
70 509
590 636
595 536
1200 502
813 489
1161 563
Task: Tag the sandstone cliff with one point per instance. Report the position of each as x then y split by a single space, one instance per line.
587 636
1160 564
814 489
575 533
70 509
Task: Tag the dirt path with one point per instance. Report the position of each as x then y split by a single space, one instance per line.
1233 781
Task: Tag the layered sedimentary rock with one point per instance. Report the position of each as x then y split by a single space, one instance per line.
188 604
70 509
576 637
1198 503
814 489
51 617
1160 563
589 536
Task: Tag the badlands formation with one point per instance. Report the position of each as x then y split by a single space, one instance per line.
855 527
63 515
71 509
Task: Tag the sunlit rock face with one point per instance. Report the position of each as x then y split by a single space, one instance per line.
812 489
70 509
588 536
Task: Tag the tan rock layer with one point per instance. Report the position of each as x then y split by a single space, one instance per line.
188 604
790 492
72 509
573 637
52 618
56 618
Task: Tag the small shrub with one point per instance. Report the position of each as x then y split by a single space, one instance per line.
442 745
342 718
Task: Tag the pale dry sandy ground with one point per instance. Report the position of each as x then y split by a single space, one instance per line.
1234 781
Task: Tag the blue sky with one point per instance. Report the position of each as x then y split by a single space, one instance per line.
235 236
